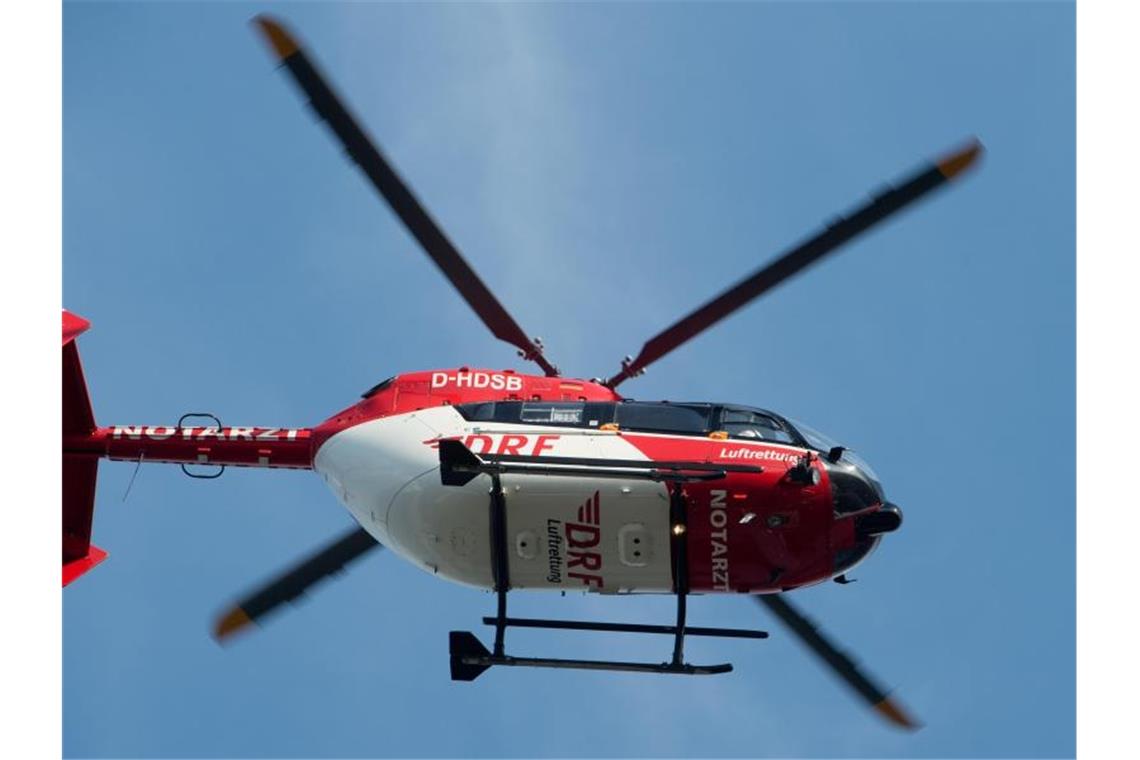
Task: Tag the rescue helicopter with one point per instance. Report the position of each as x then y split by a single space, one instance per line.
503 480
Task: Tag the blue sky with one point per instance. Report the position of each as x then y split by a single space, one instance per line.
605 169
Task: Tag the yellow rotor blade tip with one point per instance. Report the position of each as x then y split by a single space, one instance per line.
233 621
958 162
893 712
283 43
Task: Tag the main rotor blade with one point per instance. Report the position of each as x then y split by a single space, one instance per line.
803 255
840 663
294 582
392 188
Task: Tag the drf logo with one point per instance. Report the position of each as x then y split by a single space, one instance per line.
582 539
509 443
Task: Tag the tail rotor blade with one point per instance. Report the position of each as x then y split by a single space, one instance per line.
398 195
840 664
799 258
293 583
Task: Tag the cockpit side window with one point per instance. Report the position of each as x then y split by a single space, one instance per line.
661 417
584 414
566 413
753 425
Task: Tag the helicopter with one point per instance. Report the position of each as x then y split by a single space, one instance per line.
502 480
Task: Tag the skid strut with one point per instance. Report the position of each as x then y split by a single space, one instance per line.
678 522
469 658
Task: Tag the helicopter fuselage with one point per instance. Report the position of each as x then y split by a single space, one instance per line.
790 519
747 532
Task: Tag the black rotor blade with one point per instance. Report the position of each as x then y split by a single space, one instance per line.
798 258
842 665
406 206
294 582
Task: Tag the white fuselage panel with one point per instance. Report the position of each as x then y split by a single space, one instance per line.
566 533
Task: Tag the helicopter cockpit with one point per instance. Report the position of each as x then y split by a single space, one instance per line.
855 487
822 442
857 492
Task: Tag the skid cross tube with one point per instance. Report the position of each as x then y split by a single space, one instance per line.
672 471
615 473
458 465
640 464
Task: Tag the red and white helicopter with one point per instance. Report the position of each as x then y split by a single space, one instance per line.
502 480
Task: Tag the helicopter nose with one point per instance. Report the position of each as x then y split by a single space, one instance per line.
886 519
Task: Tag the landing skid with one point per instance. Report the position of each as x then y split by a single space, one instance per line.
469 658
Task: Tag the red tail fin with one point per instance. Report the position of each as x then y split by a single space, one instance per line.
79 470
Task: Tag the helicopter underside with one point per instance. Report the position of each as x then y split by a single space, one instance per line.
601 534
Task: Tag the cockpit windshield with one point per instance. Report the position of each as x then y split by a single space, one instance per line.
815 439
821 442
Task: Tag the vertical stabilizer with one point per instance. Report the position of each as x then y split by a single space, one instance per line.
79 470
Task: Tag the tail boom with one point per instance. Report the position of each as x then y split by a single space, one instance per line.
84 444
282 448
